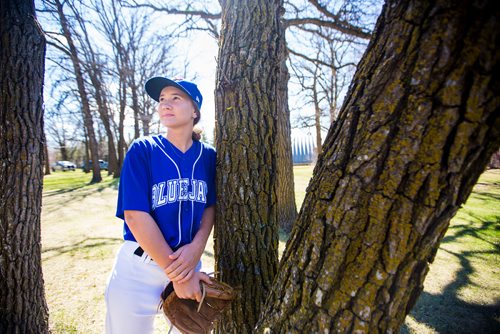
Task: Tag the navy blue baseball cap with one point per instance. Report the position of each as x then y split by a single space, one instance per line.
155 85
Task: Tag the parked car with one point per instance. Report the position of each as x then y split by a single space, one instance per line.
102 164
63 165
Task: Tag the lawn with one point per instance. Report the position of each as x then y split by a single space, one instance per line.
80 236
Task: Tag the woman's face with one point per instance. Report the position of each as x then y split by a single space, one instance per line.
175 108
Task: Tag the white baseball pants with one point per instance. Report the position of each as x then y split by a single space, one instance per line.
133 292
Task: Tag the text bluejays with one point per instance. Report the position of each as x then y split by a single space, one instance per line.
179 190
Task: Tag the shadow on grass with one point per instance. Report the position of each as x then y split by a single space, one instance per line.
51 193
485 196
82 245
78 193
446 312
478 233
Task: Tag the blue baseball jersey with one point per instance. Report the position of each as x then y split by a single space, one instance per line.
172 186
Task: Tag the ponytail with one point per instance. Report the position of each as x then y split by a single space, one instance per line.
196 135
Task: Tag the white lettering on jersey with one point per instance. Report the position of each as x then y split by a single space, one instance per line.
183 189
161 198
154 195
192 193
172 190
202 192
178 190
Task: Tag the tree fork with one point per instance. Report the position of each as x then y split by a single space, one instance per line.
418 127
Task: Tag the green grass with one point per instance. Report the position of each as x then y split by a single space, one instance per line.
73 180
80 236
462 288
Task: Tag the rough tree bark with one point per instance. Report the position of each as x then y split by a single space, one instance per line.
419 125
247 98
22 50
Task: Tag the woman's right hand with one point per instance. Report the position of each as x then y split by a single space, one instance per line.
191 288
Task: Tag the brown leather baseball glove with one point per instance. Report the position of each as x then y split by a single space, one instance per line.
191 317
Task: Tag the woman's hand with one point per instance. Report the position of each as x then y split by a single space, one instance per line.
184 262
191 288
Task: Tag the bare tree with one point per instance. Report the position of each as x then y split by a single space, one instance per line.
111 27
148 55
323 55
22 50
59 122
138 54
305 72
57 8
323 79
94 64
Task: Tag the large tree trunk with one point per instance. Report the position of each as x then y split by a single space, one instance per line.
419 125
247 107
87 114
22 50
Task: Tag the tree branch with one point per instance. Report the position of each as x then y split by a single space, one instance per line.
316 61
174 11
339 26
59 47
329 37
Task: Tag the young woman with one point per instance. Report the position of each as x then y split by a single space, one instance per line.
167 201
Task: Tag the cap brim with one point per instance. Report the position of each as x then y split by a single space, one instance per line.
155 85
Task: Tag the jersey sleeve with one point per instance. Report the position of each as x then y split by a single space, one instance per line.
211 184
133 191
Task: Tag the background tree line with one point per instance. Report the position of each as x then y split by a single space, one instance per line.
99 55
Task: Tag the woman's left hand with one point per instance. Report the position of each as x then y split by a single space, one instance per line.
191 288
184 262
